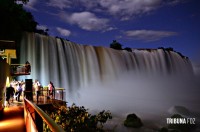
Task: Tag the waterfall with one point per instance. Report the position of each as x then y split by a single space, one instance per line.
73 66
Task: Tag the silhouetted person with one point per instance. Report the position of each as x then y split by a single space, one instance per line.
27 67
51 89
12 92
19 91
8 95
37 89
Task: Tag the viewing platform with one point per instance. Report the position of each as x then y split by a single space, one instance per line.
28 116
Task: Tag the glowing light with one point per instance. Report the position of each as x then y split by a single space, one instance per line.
7 82
10 122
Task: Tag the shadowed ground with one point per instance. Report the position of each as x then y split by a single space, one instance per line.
12 119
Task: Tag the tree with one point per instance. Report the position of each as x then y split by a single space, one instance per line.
169 49
116 45
15 20
42 31
128 49
23 1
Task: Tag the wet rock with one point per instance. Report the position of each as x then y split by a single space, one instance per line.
179 110
133 121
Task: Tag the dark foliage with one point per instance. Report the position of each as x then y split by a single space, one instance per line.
169 49
116 45
15 20
77 118
128 49
43 32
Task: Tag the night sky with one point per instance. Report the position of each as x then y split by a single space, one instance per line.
133 23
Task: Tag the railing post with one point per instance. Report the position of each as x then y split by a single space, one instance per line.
54 93
38 117
62 95
38 122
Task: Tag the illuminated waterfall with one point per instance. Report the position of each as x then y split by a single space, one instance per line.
72 66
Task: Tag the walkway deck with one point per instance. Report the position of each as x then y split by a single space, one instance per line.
13 118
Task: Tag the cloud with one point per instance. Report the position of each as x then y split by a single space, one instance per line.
86 21
29 5
61 4
42 27
63 32
110 29
148 35
123 9
174 2
126 9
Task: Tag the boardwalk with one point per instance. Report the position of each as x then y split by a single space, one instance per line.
13 118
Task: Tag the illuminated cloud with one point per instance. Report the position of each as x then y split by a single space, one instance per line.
63 32
61 4
41 27
95 15
29 5
86 21
126 9
123 9
148 35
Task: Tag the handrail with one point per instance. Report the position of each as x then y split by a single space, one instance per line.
19 64
45 89
1 104
50 122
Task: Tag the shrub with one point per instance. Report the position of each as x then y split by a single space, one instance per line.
128 49
116 45
77 118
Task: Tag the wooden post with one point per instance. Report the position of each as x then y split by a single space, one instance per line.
38 122
62 95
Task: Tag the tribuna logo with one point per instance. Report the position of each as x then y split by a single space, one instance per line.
180 120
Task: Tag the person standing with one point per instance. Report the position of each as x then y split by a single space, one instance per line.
37 89
51 89
27 68
19 91
8 96
12 92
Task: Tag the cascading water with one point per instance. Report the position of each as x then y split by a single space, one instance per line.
104 78
71 66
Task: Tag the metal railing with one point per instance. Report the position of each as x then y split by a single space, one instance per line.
58 94
20 69
34 118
